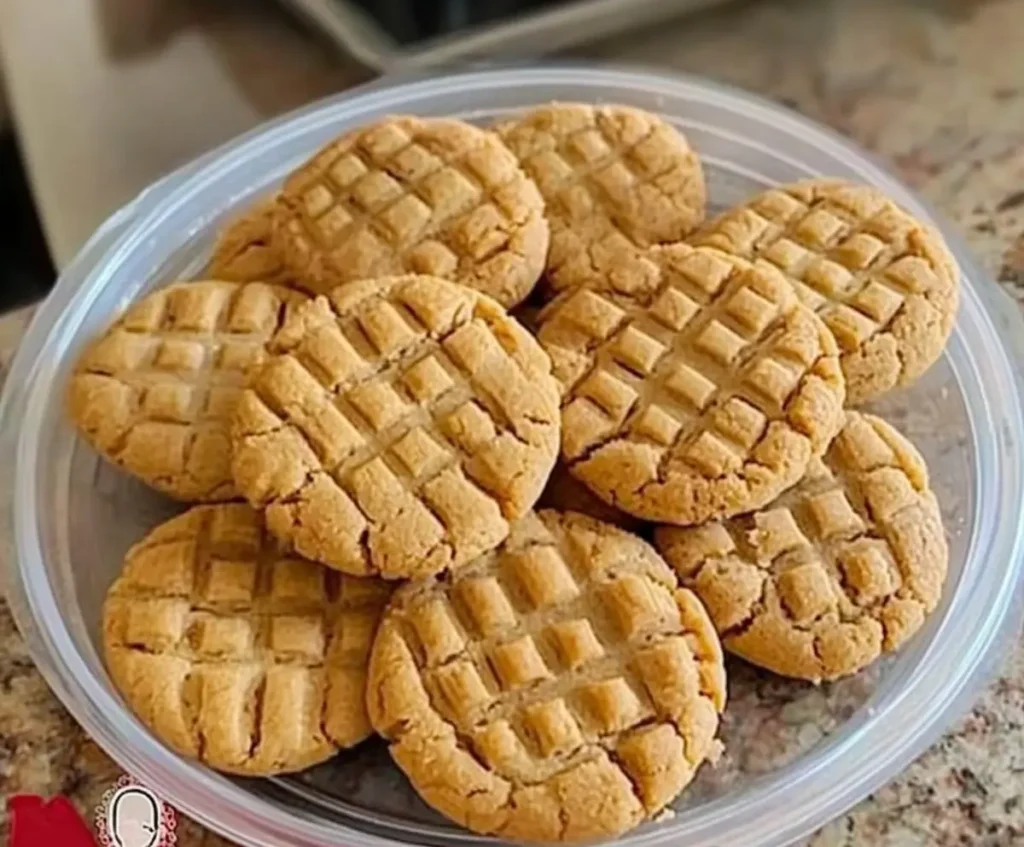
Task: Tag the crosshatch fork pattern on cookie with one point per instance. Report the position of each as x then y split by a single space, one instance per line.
415 412
699 374
214 637
569 645
423 196
157 392
883 283
842 567
614 180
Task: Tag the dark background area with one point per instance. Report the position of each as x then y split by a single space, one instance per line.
26 271
410 21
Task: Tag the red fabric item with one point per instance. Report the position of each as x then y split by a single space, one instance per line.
46 823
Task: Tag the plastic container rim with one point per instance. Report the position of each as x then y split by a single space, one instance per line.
762 811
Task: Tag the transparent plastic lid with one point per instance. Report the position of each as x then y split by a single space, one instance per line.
796 755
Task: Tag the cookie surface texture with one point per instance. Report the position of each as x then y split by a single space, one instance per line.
233 654
245 250
411 195
705 398
884 283
614 180
402 424
156 393
840 569
562 688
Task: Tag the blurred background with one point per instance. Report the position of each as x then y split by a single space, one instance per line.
105 96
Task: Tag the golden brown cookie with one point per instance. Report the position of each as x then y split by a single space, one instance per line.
559 689
233 654
704 398
841 568
614 180
156 393
415 195
245 250
565 493
884 283
402 423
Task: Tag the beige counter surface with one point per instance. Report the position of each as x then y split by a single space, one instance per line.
934 88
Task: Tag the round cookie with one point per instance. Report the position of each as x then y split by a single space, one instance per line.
155 394
841 568
415 195
401 424
884 283
245 251
705 398
233 654
614 180
559 689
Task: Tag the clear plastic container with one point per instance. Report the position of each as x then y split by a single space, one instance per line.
796 755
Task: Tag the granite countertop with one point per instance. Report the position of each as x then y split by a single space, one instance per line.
937 90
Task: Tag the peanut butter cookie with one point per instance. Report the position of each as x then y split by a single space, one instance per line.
402 422
415 195
884 283
706 397
614 180
559 689
155 395
245 249
841 568
233 654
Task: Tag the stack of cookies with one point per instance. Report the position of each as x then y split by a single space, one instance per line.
431 399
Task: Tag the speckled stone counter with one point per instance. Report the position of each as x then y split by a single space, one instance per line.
937 90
